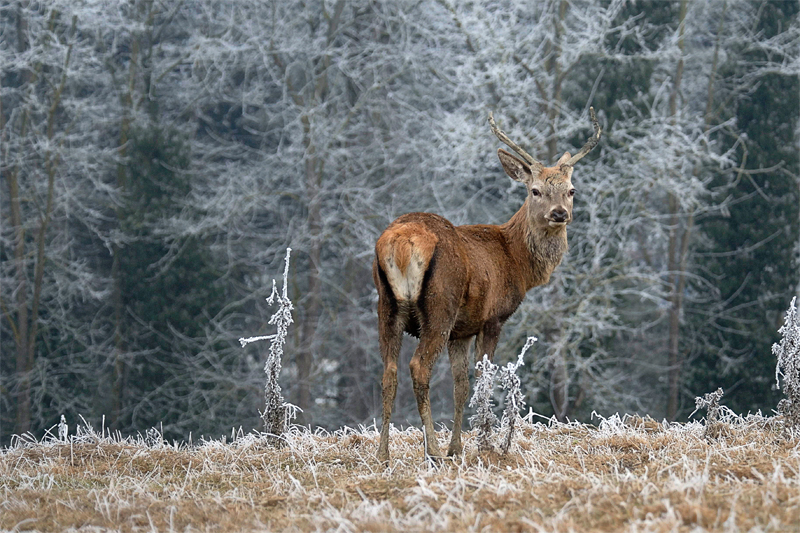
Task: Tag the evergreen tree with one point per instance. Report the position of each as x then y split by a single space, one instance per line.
169 286
752 250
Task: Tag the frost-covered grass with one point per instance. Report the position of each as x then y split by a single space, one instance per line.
628 474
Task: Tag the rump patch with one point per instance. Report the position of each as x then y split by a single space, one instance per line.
404 252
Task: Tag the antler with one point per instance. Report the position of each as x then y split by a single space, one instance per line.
500 134
590 144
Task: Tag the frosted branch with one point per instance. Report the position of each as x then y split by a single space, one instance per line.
482 400
788 366
277 412
245 341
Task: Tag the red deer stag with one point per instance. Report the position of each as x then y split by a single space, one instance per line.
446 284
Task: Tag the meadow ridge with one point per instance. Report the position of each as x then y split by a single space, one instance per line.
625 474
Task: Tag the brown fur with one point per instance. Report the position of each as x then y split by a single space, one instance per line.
470 279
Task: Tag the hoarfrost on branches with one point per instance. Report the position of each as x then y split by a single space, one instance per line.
788 353
277 414
360 111
63 429
482 400
515 400
710 401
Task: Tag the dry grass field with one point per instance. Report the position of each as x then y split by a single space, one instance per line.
627 474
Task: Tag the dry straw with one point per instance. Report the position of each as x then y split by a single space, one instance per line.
626 474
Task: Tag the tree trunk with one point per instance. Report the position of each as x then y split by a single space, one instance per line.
555 69
675 262
26 329
678 255
22 395
559 385
314 166
118 356
559 376
677 266
20 328
305 350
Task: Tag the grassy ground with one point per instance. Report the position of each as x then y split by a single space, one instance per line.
625 475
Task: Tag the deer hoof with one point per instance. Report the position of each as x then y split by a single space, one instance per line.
383 457
436 459
454 449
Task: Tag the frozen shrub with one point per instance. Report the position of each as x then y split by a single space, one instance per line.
515 400
710 401
154 438
482 400
788 353
277 414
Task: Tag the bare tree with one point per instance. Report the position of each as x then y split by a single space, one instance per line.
50 159
315 125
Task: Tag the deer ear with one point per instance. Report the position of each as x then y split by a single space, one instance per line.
516 168
564 158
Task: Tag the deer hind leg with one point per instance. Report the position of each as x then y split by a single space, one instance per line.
431 344
458 351
391 337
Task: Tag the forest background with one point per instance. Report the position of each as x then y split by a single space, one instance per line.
157 159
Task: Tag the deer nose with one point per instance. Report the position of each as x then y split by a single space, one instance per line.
559 215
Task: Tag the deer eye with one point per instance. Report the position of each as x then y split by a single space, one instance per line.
535 192
571 192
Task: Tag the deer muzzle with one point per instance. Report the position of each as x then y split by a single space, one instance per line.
559 216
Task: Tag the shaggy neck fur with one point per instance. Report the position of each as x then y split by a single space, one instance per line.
542 246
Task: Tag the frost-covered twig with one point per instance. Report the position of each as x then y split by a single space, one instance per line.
277 412
247 340
515 400
788 353
63 429
710 401
482 400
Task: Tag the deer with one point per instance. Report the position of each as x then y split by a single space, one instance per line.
447 285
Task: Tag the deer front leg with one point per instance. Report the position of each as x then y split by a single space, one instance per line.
486 340
458 351
431 344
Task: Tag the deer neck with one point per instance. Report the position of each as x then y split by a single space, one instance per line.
538 249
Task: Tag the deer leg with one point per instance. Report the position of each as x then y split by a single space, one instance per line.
431 344
458 351
486 340
391 337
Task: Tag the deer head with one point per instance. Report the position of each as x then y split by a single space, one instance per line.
550 190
